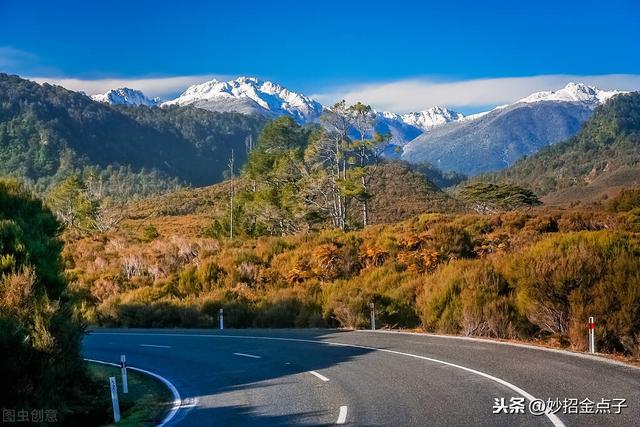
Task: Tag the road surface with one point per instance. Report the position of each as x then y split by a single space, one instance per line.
329 377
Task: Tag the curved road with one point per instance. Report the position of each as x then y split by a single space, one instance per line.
329 377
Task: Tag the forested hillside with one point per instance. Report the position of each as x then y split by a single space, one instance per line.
601 159
48 132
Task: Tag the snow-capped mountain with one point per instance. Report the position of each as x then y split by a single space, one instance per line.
573 92
405 127
434 116
401 132
125 96
498 138
250 95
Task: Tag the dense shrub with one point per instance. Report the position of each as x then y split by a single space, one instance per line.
39 335
626 200
579 221
393 295
508 275
149 233
451 241
471 298
563 280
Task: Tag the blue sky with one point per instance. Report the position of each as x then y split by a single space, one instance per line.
327 48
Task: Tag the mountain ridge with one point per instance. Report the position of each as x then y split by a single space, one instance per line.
496 139
573 92
447 139
249 95
604 155
48 132
125 96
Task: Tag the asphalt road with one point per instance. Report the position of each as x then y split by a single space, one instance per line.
328 377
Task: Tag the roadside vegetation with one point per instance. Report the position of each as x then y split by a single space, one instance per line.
144 405
519 275
40 330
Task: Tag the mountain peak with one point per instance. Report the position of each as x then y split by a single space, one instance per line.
250 95
573 92
125 96
432 117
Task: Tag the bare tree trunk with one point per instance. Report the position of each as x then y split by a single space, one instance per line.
231 194
365 204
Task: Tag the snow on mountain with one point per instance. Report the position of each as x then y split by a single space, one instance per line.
125 96
497 138
405 127
392 124
434 116
475 116
573 92
250 95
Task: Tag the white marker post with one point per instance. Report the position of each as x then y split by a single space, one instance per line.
123 367
221 319
114 399
373 316
592 335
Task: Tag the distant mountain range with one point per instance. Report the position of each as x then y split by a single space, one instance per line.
602 158
250 95
497 139
449 140
406 127
125 96
47 132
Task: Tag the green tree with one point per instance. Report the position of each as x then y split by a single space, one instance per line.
301 176
39 338
490 198
344 165
84 207
276 169
364 154
71 203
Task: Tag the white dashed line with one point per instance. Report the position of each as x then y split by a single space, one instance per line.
322 377
155 345
548 413
342 416
248 355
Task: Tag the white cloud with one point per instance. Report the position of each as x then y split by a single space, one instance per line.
418 94
27 65
151 86
398 96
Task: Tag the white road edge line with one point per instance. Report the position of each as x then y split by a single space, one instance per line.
177 401
596 357
552 417
248 355
342 416
155 345
322 377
